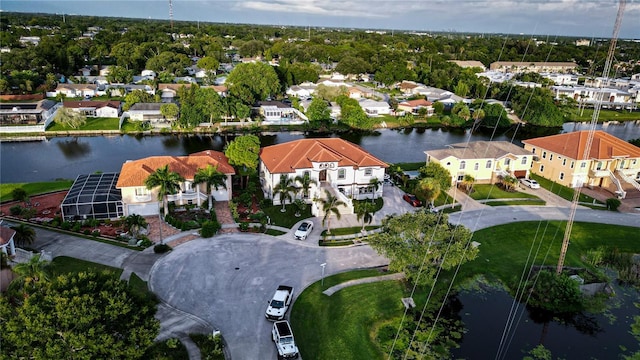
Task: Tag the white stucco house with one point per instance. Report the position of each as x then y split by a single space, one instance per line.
107 109
374 107
137 199
335 165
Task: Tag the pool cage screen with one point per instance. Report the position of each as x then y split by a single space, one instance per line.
93 197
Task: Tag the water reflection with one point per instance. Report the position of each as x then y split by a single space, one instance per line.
74 149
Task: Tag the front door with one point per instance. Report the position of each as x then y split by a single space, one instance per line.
323 175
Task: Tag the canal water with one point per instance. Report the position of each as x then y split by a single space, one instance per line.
67 157
580 336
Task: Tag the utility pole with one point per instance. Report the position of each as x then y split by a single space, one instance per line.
587 149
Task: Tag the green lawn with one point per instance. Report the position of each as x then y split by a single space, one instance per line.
561 190
285 219
64 265
605 115
536 202
330 327
502 255
33 188
338 326
91 124
486 192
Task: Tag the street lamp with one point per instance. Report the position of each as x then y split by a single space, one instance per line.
322 281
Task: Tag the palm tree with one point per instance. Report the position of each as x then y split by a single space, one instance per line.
30 272
467 182
25 235
168 183
428 188
364 212
509 182
374 183
305 184
134 223
300 206
284 189
212 178
330 205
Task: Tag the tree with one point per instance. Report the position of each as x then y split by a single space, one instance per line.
284 189
364 211
135 223
19 194
167 182
29 274
436 171
119 74
468 182
137 96
243 153
428 189
330 206
299 206
556 293
319 111
212 178
251 82
509 182
25 235
70 118
79 315
305 182
418 243
374 184
169 111
438 107
209 103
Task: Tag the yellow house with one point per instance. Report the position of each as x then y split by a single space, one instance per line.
486 161
611 163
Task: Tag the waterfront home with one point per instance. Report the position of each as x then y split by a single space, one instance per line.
150 113
486 161
26 117
344 169
279 113
107 109
137 199
374 108
610 163
414 106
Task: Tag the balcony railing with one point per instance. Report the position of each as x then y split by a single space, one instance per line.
598 173
186 196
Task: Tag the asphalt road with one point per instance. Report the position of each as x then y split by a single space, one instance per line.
228 280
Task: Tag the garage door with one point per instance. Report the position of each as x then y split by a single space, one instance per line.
144 210
520 173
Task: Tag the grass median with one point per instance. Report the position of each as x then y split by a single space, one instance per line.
35 188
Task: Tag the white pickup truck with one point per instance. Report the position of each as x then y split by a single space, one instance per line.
283 337
280 302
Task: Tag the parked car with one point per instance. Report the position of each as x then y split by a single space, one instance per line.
303 230
282 336
530 183
412 199
280 302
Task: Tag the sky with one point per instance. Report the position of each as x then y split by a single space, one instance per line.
583 18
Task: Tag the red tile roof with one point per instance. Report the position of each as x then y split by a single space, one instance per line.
416 103
134 173
6 234
573 144
299 154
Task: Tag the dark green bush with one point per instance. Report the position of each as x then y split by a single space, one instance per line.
66 225
15 210
209 228
613 204
161 248
76 227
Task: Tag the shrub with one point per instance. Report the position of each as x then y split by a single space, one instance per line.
161 248
265 203
66 225
145 242
555 293
213 216
245 199
613 204
15 210
95 233
209 228
243 226
87 231
19 194
76 227
233 207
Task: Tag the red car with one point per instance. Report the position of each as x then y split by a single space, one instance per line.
412 199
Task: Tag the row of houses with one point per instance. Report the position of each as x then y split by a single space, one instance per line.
348 172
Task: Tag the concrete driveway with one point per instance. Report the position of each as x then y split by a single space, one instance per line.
228 280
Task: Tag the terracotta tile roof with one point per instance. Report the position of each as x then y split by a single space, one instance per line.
134 173
91 104
408 85
416 103
299 154
6 234
572 145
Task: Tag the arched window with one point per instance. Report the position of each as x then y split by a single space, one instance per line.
463 164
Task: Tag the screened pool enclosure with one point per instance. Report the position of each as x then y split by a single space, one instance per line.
93 197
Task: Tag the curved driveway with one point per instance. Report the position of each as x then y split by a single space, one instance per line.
228 280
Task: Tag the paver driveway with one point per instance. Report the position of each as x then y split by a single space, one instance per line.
228 280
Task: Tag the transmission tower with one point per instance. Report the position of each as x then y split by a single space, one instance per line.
171 13
594 119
